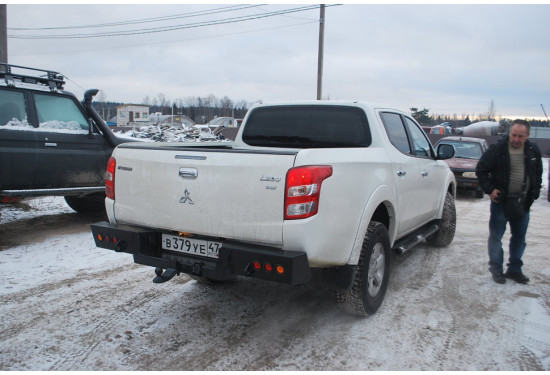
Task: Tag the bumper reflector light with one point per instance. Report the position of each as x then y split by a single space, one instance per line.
267 267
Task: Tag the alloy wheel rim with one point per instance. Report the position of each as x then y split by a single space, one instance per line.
376 270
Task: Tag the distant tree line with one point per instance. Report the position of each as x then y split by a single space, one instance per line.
425 118
203 109
199 109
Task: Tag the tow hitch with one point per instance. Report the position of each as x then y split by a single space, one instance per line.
165 276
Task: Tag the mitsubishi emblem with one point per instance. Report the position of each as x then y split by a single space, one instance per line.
186 197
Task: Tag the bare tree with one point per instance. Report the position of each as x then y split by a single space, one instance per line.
226 106
491 111
102 98
163 102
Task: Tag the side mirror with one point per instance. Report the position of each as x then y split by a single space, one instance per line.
445 151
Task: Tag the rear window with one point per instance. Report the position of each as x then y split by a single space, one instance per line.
313 126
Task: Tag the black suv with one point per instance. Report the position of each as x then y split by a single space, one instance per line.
50 143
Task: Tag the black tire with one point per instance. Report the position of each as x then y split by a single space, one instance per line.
446 233
479 193
373 272
88 204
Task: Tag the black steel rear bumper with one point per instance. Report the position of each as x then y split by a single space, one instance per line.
235 258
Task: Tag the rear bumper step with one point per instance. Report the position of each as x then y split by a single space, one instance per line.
235 258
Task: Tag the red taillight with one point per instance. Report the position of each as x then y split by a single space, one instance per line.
110 178
303 189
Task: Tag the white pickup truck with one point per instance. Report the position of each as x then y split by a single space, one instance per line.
318 187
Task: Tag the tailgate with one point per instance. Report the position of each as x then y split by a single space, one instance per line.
224 193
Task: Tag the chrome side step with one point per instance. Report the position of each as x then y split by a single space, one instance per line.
410 241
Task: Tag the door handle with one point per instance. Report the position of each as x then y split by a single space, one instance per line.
188 172
401 173
424 174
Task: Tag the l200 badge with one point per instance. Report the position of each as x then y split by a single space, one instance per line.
270 179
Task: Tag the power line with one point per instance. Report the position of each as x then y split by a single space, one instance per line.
164 42
142 20
170 28
164 28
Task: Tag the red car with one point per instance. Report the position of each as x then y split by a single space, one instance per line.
468 151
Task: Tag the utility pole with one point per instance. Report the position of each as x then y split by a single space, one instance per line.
3 34
321 50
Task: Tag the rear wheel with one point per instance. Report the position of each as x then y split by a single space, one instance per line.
87 204
373 271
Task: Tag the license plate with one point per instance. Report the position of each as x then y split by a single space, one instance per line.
191 246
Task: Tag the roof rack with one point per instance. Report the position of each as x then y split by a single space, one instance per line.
53 80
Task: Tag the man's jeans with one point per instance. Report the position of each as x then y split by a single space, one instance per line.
497 227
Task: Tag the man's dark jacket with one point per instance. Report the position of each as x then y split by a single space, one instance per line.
493 169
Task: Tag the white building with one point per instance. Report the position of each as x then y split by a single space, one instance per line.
132 115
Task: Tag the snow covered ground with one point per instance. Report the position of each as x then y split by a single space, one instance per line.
67 305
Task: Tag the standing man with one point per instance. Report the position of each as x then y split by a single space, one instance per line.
510 167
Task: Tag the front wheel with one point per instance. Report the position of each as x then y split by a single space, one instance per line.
446 233
373 272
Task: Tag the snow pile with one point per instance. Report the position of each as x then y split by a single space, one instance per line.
171 133
61 125
72 127
31 208
153 133
15 124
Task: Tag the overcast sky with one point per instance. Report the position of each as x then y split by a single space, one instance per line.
451 59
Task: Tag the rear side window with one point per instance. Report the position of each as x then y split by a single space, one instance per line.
406 135
13 110
57 112
314 126
420 143
396 131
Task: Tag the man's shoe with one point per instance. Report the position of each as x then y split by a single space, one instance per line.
499 278
518 277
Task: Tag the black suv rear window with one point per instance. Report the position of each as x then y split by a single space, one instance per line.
314 126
